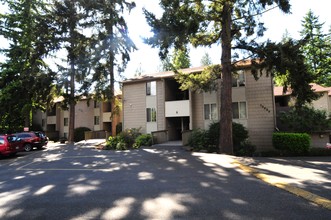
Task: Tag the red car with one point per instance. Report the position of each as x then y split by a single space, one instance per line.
10 145
30 140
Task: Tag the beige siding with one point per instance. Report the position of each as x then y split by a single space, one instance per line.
134 106
84 114
160 93
260 110
197 110
322 102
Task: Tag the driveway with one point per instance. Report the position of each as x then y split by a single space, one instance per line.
80 182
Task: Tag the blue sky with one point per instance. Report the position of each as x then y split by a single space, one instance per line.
275 21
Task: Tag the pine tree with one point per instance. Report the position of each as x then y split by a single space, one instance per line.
204 23
26 81
206 60
317 49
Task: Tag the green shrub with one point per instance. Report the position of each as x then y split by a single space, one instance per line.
118 128
199 139
143 140
245 148
79 133
129 136
121 145
122 141
239 135
305 120
292 143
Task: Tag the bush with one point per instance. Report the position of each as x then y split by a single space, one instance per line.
129 136
292 143
123 141
305 120
245 149
239 135
115 143
79 133
143 140
199 139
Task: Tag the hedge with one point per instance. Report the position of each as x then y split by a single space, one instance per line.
293 143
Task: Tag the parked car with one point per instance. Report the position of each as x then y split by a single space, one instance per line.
43 137
10 145
30 140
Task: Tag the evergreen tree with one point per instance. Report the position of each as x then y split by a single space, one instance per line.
112 44
317 49
71 18
204 23
95 36
181 58
206 60
25 79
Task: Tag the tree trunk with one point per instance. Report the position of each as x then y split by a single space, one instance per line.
72 104
226 143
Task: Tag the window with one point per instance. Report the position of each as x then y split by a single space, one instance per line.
96 120
238 79
42 122
151 88
239 110
2 141
151 114
210 111
65 122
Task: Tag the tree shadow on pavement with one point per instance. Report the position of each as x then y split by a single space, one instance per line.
71 182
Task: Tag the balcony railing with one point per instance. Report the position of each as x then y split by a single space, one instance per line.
177 108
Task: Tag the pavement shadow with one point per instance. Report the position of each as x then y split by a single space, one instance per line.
74 182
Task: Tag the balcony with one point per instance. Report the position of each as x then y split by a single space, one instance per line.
106 117
177 108
51 120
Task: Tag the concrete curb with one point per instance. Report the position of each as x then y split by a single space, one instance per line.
324 202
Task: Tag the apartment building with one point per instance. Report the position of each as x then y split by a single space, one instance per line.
154 102
97 116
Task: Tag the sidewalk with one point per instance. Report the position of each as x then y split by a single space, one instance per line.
308 177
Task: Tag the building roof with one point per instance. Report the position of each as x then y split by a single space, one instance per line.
278 90
170 74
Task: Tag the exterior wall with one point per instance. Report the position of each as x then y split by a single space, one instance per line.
134 106
322 103
319 140
84 115
260 111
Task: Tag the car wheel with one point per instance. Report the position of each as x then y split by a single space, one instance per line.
27 147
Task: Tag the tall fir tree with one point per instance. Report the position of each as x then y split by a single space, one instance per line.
206 60
317 49
26 80
203 23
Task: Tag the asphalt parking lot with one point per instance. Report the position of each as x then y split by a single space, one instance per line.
164 182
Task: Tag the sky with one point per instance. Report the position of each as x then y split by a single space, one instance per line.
275 21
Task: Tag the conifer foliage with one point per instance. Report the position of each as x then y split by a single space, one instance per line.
233 24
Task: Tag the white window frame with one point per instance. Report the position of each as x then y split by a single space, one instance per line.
239 79
96 120
151 114
65 122
151 88
212 111
242 110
